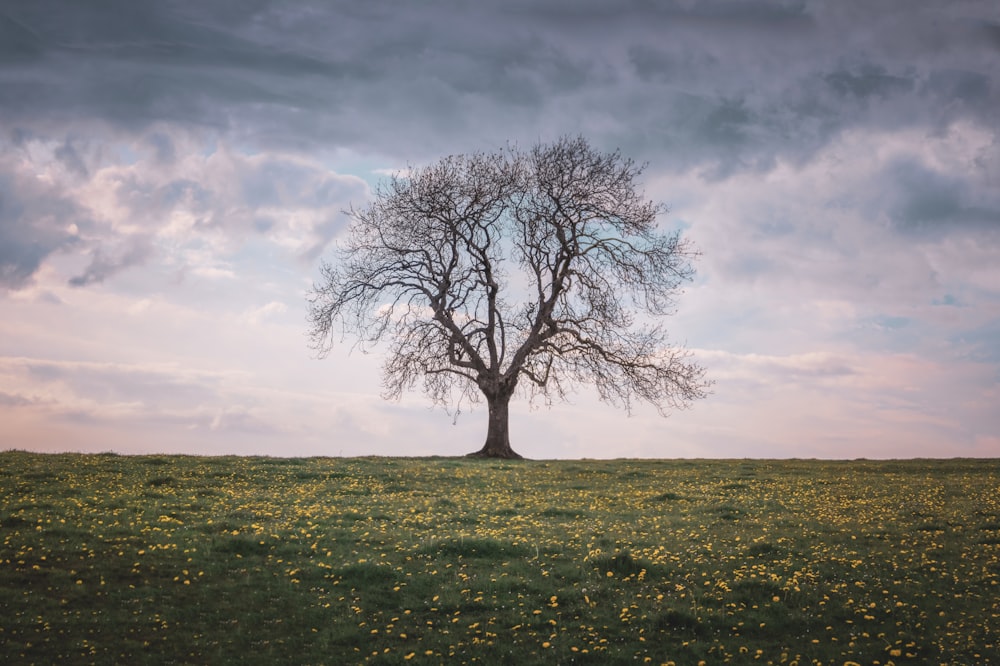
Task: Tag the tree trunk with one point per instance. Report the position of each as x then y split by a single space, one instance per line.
498 433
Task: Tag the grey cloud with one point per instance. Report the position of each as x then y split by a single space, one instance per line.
747 126
962 92
991 33
263 223
323 233
728 84
18 42
933 203
183 191
102 265
20 257
72 160
163 146
34 223
868 81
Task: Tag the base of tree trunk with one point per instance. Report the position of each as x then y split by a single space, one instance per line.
497 443
508 454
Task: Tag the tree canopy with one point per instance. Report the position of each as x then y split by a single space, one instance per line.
493 273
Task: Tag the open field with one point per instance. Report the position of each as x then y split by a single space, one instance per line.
163 559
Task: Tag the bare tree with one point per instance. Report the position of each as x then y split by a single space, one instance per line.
490 272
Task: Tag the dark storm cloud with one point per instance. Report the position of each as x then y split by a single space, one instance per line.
934 203
737 83
133 63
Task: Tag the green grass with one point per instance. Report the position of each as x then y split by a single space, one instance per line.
159 559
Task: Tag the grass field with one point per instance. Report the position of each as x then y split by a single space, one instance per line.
162 559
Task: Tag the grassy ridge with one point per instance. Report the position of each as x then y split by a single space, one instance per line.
164 559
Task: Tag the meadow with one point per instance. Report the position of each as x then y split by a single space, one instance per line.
169 559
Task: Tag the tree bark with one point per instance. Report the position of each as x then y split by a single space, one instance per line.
498 432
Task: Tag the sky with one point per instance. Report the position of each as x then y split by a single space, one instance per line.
172 174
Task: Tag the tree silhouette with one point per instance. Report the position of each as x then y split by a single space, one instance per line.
493 272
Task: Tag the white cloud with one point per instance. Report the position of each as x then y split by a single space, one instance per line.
257 315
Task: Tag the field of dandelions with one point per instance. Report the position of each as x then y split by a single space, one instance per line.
170 559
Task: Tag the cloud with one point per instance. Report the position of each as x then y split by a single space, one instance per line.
934 203
159 198
837 404
35 221
731 86
139 396
824 365
72 160
102 266
241 420
255 316
77 383
149 407
14 400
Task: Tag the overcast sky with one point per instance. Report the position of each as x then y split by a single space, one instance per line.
171 174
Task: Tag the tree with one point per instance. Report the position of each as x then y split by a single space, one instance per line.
494 272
